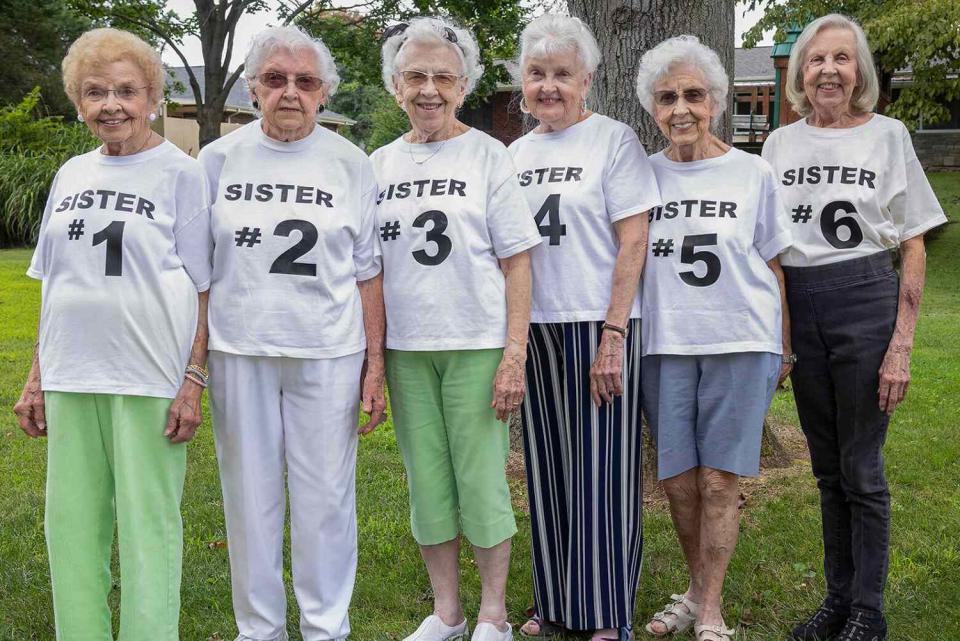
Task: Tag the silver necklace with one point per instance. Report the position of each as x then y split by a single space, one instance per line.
435 152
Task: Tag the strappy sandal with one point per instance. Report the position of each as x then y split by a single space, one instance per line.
713 632
674 617
545 629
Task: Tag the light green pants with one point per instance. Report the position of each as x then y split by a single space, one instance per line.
454 448
107 459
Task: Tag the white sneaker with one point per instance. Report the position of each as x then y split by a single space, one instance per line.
434 629
489 632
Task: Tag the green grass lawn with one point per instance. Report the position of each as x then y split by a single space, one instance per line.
775 576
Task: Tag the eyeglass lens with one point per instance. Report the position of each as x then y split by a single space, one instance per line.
278 80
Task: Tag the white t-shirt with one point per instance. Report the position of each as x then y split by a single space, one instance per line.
707 286
578 182
850 192
293 227
442 226
124 248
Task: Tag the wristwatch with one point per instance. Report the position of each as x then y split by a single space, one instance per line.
613 328
788 359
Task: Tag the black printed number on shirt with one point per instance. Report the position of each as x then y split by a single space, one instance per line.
112 234
689 255
550 209
434 235
286 262
830 223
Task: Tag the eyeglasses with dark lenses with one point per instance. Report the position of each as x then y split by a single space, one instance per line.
667 98
394 30
276 80
419 78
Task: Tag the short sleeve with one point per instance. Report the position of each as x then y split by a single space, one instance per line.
772 236
629 184
366 248
191 230
509 221
38 263
915 209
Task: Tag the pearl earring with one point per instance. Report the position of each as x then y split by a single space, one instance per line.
80 117
152 117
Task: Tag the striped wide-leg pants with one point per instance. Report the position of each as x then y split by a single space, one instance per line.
584 474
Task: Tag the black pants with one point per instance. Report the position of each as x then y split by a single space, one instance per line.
842 318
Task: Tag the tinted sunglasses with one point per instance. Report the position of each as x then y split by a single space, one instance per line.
397 29
276 80
667 98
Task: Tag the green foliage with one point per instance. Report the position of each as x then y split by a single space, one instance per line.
34 36
31 151
921 34
389 122
354 41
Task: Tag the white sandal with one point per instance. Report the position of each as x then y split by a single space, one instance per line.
679 620
715 632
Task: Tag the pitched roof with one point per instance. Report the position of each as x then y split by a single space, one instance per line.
238 98
753 65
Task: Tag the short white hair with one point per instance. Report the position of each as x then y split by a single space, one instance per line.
552 33
867 91
293 39
657 63
433 30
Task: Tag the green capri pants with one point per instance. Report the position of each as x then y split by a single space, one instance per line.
454 448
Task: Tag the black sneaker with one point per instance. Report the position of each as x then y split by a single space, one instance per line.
823 625
861 627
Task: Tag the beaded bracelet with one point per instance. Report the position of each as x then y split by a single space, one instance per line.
200 372
191 377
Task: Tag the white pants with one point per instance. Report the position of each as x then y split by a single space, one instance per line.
272 414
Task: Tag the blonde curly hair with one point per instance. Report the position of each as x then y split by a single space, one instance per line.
99 47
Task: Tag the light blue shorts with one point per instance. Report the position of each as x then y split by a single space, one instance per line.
708 410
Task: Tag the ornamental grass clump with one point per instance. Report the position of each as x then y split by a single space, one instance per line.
32 148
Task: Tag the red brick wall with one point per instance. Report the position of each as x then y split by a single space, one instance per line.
507 119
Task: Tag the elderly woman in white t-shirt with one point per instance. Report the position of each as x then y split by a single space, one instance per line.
854 190
118 371
296 339
589 185
716 331
454 232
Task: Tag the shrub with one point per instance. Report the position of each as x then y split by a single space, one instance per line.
32 149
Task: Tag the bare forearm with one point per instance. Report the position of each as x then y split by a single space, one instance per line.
913 261
516 270
777 270
198 352
632 235
374 316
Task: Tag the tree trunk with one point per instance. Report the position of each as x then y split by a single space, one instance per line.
625 29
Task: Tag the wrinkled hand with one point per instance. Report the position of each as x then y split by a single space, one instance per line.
509 383
372 398
894 377
185 414
785 369
30 409
606 373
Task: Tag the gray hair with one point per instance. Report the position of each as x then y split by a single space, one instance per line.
432 29
551 33
657 63
867 91
293 39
